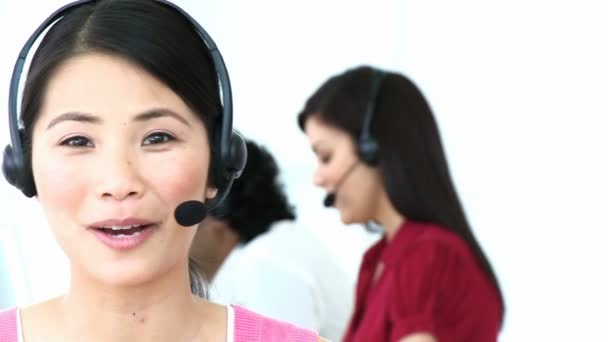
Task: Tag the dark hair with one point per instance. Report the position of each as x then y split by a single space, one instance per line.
256 199
411 159
148 34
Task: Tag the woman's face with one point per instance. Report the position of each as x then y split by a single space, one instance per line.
357 186
114 152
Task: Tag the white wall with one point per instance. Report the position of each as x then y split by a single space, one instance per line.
518 89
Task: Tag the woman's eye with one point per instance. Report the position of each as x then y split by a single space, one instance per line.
77 141
324 159
158 138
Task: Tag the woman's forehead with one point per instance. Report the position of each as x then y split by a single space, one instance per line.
106 86
319 131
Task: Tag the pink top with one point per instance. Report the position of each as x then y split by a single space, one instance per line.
8 326
248 327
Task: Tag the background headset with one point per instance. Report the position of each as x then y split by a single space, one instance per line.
367 146
233 152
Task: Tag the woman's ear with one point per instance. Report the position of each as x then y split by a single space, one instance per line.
211 192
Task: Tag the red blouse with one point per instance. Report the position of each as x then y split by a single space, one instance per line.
427 281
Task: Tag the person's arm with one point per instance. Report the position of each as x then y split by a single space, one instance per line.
419 338
422 277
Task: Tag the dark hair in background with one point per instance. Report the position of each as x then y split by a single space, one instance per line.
256 199
411 159
150 35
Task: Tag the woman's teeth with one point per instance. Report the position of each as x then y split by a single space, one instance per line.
119 231
122 227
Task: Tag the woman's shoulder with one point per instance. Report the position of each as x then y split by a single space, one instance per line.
43 310
251 326
427 246
428 235
39 316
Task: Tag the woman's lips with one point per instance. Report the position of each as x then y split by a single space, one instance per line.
124 239
123 234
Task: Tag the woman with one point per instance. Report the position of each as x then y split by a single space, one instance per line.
380 159
121 118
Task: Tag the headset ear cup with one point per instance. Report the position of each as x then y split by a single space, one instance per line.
29 186
17 173
229 169
9 169
368 151
238 156
228 166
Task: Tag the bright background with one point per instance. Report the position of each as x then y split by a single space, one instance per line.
519 90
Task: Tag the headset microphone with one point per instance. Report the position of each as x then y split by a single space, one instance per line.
330 198
190 213
193 212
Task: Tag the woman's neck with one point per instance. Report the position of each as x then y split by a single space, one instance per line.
162 310
212 244
388 217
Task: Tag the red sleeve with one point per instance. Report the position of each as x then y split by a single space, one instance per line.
426 276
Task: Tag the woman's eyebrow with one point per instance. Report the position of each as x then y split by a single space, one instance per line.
74 116
90 118
159 113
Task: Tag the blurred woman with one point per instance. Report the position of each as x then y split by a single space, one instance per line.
380 159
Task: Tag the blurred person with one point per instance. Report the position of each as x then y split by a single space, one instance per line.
381 160
122 129
257 256
6 291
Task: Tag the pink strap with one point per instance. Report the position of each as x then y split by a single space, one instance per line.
252 327
8 326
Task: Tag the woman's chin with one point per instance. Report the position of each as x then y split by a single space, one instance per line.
124 275
124 280
347 218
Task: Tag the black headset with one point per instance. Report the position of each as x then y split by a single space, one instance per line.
233 151
367 146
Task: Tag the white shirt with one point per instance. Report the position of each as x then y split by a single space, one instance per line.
288 274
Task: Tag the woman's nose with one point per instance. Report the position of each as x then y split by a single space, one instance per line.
319 178
120 180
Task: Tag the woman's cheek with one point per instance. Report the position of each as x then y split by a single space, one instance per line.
62 192
180 180
61 184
